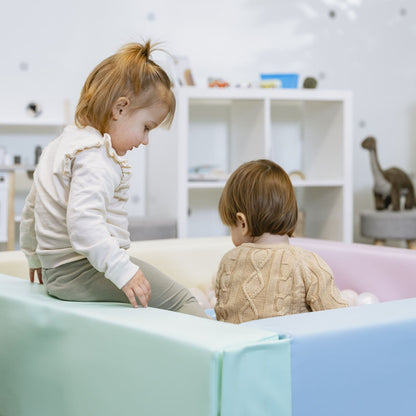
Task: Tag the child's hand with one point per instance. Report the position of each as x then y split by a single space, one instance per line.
32 275
139 287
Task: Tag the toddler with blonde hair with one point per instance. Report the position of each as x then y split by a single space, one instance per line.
74 225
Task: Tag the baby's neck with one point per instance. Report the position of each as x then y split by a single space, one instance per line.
267 238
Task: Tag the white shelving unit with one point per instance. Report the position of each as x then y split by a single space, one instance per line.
19 138
19 135
302 130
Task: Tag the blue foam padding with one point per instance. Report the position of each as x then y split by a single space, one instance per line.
353 361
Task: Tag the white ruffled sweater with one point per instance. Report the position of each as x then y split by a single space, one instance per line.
76 206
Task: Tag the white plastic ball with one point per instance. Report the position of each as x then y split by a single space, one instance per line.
367 298
205 287
210 294
350 296
213 302
201 297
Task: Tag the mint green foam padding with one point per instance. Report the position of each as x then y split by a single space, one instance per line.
69 359
262 371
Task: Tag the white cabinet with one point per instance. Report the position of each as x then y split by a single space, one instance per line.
307 131
19 138
20 135
21 130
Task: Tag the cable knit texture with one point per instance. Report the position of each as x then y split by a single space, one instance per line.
256 281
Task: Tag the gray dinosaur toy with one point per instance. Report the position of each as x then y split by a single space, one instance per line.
389 184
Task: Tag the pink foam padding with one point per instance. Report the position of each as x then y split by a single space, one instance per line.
387 272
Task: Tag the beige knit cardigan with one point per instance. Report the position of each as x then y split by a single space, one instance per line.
256 281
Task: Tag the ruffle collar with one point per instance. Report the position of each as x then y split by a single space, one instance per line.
89 137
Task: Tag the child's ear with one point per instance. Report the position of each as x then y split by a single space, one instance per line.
242 223
120 107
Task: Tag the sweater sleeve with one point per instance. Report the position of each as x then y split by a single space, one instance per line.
226 308
28 243
93 182
321 291
219 292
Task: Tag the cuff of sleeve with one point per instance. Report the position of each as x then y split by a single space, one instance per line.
34 262
121 275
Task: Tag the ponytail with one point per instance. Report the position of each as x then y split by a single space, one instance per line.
128 73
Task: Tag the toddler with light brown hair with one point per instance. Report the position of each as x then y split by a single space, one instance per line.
264 276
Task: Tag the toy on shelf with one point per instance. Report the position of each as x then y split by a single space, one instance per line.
207 173
389 184
270 83
217 83
33 109
244 85
310 83
279 80
182 71
297 175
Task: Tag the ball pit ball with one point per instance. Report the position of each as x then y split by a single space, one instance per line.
212 299
213 302
367 298
350 296
355 299
201 297
210 294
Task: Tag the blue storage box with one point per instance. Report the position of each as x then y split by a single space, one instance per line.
287 80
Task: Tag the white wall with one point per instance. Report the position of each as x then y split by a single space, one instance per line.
48 47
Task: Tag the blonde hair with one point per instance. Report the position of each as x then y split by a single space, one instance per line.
128 73
263 192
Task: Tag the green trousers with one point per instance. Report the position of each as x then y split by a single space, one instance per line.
79 281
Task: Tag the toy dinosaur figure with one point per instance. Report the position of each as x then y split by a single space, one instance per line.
389 184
